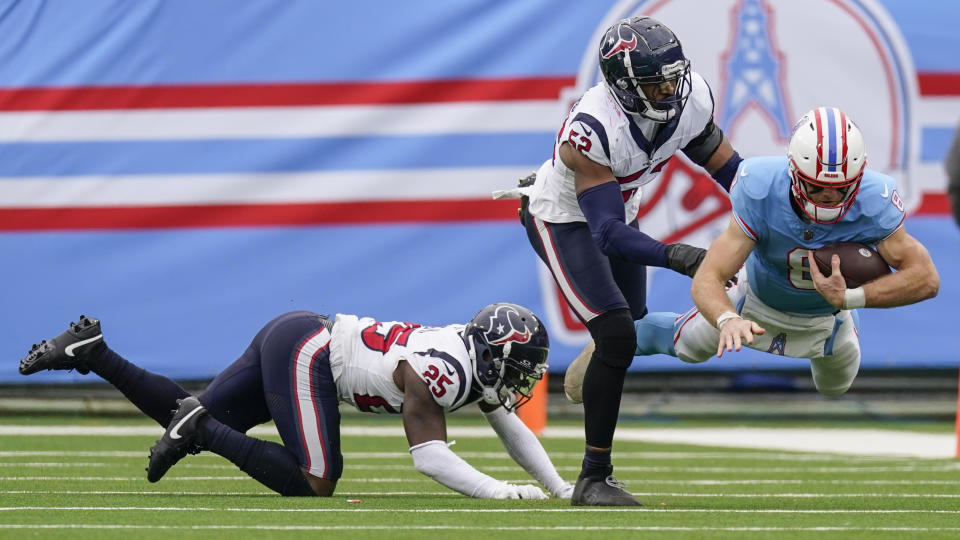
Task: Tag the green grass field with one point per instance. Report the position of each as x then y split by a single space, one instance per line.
94 486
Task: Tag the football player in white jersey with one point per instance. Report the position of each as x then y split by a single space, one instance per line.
783 207
301 365
580 212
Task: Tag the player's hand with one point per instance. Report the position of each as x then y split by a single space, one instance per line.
832 288
735 332
563 491
520 491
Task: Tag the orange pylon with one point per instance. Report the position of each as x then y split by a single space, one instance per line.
534 412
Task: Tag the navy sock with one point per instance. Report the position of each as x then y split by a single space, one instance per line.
267 462
596 464
153 394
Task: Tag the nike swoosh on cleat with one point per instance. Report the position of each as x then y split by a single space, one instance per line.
70 348
175 432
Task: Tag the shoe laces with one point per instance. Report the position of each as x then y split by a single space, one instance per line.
613 482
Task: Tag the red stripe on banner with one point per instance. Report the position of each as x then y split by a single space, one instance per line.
939 84
232 215
933 204
280 95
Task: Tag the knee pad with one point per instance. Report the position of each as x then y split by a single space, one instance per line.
615 338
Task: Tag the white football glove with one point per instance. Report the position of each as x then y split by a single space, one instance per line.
519 491
563 491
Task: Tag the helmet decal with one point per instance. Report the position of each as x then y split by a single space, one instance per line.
506 325
621 44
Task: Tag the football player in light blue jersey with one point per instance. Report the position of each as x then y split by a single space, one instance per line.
783 208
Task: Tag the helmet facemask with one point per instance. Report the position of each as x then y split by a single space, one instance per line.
639 101
804 187
506 374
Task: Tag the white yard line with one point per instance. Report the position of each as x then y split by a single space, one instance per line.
475 528
466 510
859 442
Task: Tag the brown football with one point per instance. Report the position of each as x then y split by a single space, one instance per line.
859 263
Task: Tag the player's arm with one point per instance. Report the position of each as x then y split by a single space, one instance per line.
916 278
726 255
601 201
426 428
712 150
524 447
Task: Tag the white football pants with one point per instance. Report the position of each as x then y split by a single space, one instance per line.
830 342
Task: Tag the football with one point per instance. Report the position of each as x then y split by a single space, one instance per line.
859 263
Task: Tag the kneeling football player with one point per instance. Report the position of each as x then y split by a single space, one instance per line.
301 365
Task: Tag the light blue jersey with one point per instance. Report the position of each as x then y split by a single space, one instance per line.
778 268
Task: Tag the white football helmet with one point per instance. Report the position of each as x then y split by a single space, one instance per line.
826 150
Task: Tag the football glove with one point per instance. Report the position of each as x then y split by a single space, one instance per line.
519 491
684 258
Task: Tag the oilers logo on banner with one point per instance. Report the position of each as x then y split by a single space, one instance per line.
765 70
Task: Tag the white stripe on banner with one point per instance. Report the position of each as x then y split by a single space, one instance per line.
332 186
265 122
310 427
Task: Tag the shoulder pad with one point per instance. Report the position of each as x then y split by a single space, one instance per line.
590 136
877 192
880 201
447 374
754 176
701 98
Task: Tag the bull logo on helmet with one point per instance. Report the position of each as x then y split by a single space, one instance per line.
621 44
506 325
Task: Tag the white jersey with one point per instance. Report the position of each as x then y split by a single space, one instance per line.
364 354
599 127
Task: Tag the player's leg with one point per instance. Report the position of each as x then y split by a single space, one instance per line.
631 279
695 339
293 468
586 280
834 372
235 401
83 347
573 376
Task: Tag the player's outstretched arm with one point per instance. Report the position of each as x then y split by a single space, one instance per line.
524 447
916 278
724 258
426 429
601 201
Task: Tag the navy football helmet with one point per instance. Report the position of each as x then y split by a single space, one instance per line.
642 52
508 346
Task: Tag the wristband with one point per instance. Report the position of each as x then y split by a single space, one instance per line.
854 298
726 316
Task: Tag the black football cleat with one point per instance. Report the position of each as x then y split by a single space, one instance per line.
605 491
67 351
180 439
